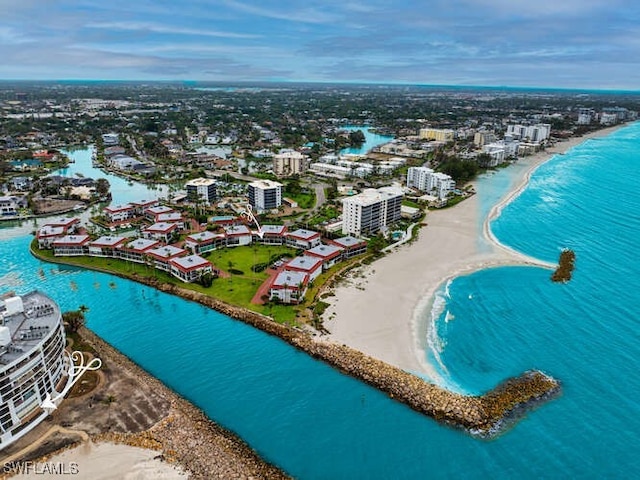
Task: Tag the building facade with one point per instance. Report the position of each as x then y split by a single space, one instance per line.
265 195
201 189
33 364
289 163
371 211
437 134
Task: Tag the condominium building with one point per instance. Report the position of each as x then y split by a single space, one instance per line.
440 135
289 162
201 189
265 195
33 365
371 211
531 133
426 180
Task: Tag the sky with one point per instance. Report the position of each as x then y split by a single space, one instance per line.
591 44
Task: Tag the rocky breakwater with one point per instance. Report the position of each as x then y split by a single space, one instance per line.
484 416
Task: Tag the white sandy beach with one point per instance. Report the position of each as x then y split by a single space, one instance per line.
105 461
378 311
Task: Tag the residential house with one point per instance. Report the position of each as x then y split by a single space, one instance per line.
303 239
190 268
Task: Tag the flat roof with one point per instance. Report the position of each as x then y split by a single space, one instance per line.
292 279
200 182
39 317
49 231
118 208
61 222
161 227
158 209
265 184
304 234
71 240
142 244
304 262
325 250
202 236
166 251
108 241
190 262
348 241
273 229
237 230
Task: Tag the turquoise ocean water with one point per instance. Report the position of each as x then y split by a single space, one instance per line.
319 424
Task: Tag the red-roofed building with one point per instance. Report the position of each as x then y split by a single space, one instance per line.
271 235
238 235
289 287
302 238
106 246
190 268
119 213
47 234
160 231
312 266
164 254
71 245
136 251
152 213
330 254
69 224
142 205
351 246
205 241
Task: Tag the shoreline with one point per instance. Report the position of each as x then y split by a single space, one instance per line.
382 310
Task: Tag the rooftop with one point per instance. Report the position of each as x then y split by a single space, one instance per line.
305 234
190 262
142 244
265 184
38 317
324 250
304 263
108 241
291 279
348 241
166 251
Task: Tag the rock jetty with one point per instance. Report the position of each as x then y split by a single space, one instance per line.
484 416
565 266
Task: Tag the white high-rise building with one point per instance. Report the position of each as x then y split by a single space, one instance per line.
202 189
371 211
265 195
420 178
288 163
426 180
532 133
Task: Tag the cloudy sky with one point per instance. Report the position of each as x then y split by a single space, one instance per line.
554 43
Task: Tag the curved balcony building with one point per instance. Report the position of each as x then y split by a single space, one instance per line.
33 363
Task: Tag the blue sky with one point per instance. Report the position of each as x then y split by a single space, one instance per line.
554 43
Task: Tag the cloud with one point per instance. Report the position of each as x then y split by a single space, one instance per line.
167 29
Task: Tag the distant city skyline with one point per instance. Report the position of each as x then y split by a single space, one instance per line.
581 44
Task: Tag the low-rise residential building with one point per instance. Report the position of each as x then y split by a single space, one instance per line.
303 239
172 217
71 245
10 206
271 235
137 250
351 246
119 213
47 234
143 205
163 255
311 266
190 268
106 246
69 224
205 241
289 287
152 213
238 235
329 254
161 231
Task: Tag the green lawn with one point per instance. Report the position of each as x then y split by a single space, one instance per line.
243 258
236 290
305 200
